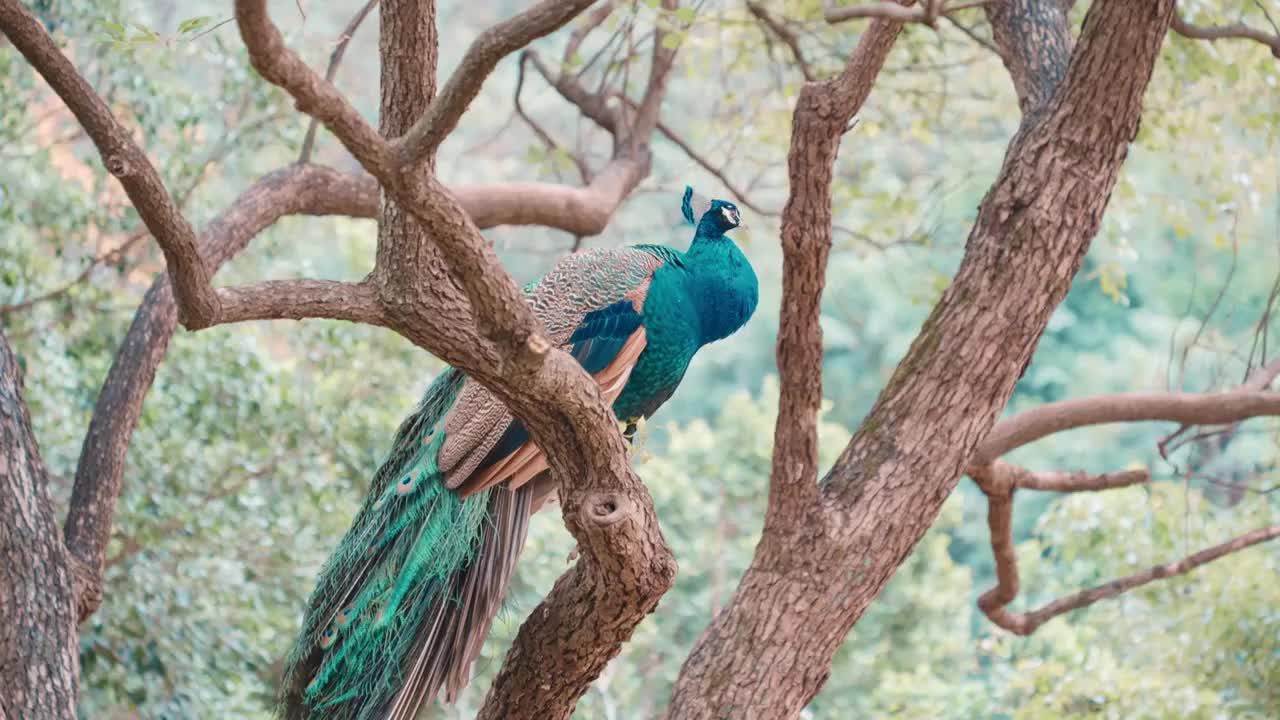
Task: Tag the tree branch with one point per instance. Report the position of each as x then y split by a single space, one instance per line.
823 112
493 45
123 159
793 516
298 189
580 33
1026 623
1032 231
1185 408
335 59
786 35
1033 39
300 299
39 649
926 12
1077 481
1226 32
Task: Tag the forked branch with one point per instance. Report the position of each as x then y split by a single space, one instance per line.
999 480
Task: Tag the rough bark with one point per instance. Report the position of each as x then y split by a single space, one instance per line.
770 651
1034 41
39 648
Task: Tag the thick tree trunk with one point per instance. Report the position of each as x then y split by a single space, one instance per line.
39 661
825 556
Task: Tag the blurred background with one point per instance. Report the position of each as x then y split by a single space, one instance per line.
257 441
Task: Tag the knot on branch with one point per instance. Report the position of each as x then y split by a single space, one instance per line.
601 510
118 165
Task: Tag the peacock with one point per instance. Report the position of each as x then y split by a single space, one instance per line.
403 605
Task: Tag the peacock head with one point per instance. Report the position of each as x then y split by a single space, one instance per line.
719 217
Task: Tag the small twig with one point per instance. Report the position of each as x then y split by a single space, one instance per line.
1233 485
580 33
335 58
973 34
215 27
538 130
785 34
110 256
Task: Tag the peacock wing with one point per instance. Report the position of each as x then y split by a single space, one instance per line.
590 305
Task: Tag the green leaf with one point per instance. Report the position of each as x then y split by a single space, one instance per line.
191 25
685 14
672 40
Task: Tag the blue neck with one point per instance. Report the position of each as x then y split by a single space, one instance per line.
722 283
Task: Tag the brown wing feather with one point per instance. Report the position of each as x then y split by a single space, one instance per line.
527 462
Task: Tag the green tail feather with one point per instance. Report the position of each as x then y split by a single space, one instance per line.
395 612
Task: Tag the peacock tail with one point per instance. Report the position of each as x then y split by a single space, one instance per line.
403 605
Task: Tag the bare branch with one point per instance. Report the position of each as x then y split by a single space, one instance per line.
1026 623
926 13
738 193
593 21
1185 408
123 159
1258 380
580 211
462 87
1077 481
313 95
537 129
788 37
300 299
335 59
589 104
1225 32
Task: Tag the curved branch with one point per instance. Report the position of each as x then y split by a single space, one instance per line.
580 211
123 159
462 87
1185 408
298 189
1226 32
1026 623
